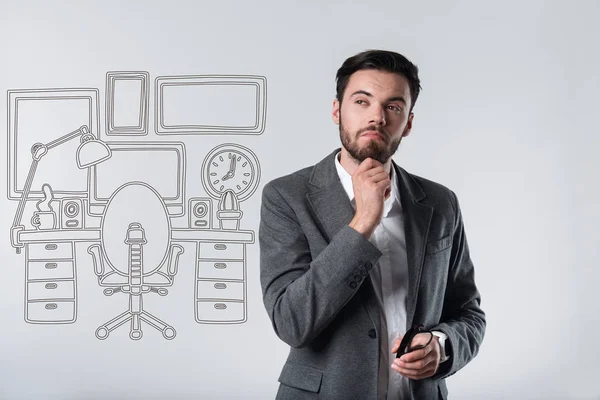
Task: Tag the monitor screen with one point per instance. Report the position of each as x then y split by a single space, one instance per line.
160 165
42 116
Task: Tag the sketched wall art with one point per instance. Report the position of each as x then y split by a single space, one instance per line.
125 201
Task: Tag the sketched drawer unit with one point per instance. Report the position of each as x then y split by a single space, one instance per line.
220 290
51 312
59 290
220 312
221 269
50 269
222 251
49 251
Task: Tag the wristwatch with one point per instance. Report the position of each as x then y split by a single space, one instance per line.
444 356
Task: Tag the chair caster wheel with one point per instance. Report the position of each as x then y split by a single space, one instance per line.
102 333
169 333
135 335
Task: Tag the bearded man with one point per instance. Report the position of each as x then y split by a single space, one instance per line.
355 251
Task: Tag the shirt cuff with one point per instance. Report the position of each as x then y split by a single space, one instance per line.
442 341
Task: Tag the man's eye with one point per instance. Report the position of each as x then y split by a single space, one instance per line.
395 109
359 101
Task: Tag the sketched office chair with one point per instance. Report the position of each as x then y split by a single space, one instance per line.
136 212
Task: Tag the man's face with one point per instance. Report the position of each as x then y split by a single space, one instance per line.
374 114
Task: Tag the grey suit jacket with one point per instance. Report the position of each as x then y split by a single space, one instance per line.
314 272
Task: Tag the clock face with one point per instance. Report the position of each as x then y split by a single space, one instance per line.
230 167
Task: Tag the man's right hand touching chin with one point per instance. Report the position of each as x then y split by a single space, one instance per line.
372 185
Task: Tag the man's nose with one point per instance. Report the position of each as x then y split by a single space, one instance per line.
378 116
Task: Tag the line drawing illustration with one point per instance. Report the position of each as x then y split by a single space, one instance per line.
230 174
126 202
50 284
162 165
127 100
51 287
195 104
200 213
42 116
132 265
230 167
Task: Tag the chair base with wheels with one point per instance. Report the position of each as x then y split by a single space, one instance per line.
136 285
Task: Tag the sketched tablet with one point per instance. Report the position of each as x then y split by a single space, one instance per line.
211 104
127 96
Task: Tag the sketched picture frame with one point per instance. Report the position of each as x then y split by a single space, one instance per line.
127 102
41 116
203 104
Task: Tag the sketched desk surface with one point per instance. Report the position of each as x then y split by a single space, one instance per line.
220 280
50 274
60 235
212 235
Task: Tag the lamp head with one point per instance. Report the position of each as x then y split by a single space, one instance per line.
91 151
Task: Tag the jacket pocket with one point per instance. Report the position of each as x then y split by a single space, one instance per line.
438 245
301 377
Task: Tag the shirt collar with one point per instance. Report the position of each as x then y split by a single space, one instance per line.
346 179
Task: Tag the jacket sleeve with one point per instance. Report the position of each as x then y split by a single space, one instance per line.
303 295
462 318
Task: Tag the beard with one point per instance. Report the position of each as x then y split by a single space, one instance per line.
374 149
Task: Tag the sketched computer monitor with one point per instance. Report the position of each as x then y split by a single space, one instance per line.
42 116
160 165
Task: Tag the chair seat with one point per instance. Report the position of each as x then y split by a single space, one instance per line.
156 279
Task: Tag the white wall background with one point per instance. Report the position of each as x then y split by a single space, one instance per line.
507 119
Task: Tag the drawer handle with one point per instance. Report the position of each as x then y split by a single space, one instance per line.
220 265
220 246
220 286
51 286
52 246
51 306
220 306
51 265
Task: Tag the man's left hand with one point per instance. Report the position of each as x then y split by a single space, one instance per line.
418 364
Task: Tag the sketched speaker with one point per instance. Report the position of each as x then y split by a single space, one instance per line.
200 213
71 213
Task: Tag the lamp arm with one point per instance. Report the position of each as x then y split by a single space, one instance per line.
38 151
57 142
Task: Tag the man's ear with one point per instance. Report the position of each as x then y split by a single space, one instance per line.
335 113
408 125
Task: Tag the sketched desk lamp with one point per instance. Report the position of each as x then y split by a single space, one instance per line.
90 152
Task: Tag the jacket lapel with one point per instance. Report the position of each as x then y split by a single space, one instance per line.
328 199
417 217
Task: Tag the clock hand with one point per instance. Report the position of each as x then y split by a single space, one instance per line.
232 168
231 163
230 173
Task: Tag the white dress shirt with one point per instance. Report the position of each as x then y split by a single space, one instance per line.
390 283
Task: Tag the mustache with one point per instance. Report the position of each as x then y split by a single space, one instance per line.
379 129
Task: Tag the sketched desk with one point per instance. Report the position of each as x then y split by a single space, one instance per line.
220 276
50 274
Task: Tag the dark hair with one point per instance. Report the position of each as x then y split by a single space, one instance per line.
381 60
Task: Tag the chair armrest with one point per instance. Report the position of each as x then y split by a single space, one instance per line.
96 251
176 251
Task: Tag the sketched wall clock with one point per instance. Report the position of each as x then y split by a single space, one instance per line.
230 167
